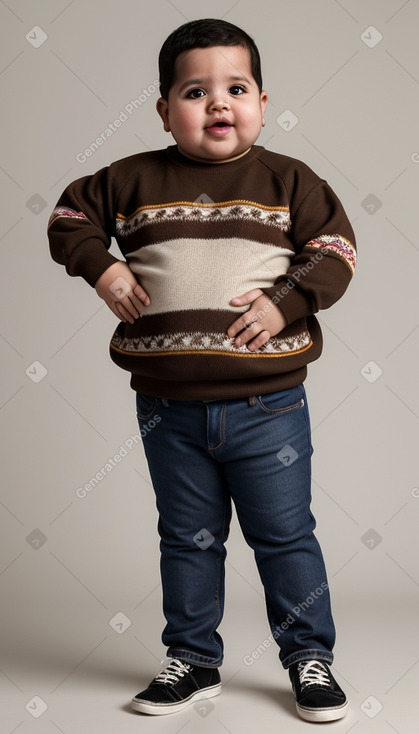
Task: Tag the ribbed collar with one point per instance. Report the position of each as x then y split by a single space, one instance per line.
179 159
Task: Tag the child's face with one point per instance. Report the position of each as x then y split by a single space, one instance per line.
214 84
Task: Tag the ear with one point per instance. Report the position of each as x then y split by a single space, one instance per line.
263 104
162 108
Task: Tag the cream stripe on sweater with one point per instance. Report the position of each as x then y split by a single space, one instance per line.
185 274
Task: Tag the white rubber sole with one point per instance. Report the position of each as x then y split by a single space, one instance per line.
158 709
327 714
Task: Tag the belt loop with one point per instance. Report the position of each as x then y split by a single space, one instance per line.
252 400
165 402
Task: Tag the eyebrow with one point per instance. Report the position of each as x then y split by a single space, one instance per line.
194 82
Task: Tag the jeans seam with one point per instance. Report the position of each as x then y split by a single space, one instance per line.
222 439
280 411
141 415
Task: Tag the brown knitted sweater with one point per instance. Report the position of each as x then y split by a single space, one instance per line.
195 235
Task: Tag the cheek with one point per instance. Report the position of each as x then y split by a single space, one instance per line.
250 117
186 120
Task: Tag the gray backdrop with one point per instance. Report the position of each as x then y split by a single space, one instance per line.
79 571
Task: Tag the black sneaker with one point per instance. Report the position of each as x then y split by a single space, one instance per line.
177 686
318 696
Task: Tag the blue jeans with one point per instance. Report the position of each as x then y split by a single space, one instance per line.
257 452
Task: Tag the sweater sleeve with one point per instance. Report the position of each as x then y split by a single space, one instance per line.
325 255
81 227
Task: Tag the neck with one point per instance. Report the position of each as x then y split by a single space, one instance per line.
211 160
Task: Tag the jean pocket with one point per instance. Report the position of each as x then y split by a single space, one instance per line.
282 401
146 405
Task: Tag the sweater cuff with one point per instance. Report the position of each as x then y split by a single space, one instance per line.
91 263
291 302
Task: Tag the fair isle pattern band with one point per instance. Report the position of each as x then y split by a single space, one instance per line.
273 216
61 211
207 342
339 245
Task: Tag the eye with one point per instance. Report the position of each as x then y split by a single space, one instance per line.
237 89
195 93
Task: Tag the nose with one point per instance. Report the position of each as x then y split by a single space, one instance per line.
219 104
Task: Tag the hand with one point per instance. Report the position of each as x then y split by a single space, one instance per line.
263 320
121 291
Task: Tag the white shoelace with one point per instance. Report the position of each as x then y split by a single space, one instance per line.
174 671
313 673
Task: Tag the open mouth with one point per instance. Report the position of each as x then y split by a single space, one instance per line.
219 128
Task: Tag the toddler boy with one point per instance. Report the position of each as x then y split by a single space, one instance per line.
230 250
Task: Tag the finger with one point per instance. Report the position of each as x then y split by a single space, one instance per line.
115 311
123 313
142 295
132 304
246 297
137 303
259 341
129 308
243 322
251 329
